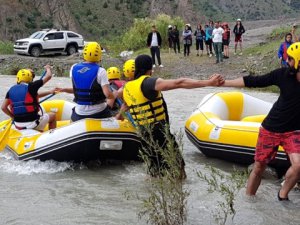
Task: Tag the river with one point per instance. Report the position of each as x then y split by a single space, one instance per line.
63 193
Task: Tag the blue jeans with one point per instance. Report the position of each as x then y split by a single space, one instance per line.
218 51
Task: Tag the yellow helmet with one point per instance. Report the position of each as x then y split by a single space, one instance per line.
92 52
294 52
129 68
24 75
113 73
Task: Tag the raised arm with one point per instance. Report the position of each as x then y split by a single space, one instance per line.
187 83
48 75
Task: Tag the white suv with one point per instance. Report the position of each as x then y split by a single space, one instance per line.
50 41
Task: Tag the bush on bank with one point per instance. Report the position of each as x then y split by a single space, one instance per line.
6 47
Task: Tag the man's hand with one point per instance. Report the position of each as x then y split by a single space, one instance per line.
216 80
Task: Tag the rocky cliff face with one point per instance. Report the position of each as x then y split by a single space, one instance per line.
97 19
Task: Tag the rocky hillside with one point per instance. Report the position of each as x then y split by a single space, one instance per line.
98 19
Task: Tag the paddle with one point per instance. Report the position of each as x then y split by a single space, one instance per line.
4 134
119 103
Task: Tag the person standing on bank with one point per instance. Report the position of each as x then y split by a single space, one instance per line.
170 42
282 51
282 124
217 35
238 31
187 39
146 91
154 43
200 36
90 86
175 39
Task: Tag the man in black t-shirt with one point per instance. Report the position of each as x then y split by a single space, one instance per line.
21 102
147 107
282 124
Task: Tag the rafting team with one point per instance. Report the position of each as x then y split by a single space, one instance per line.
95 91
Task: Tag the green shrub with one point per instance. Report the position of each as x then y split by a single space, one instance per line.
166 200
279 33
6 47
136 36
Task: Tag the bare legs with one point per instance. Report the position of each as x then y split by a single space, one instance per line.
291 177
255 178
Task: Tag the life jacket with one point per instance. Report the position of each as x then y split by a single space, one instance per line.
22 103
117 84
87 90
143 110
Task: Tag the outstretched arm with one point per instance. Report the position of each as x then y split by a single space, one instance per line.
239 82
187 83
45 93
66 90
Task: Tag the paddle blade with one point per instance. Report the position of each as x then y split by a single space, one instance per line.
4 135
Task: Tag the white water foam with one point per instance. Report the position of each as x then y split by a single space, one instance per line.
10 165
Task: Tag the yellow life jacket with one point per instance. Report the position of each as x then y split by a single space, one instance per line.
143 110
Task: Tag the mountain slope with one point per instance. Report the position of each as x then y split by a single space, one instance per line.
98 19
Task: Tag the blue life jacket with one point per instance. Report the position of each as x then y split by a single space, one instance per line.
22 102
87 90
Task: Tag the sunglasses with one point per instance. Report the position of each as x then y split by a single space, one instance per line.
289 58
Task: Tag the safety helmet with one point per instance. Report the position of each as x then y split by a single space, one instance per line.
170 26
294 52
113 73
129 68
239 20
92 52
24 75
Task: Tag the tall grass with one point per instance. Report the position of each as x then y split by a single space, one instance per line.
6 47
228 187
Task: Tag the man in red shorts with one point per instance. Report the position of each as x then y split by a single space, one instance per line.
238 31
282 124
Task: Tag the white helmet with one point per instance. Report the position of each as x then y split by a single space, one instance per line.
170 26
238 20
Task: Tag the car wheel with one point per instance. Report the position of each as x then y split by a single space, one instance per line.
35 51
71 50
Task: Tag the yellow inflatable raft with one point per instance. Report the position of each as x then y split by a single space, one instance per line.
83 140
225 125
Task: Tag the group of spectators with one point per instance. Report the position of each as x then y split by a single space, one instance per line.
215 37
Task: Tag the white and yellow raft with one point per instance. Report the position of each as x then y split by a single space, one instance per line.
226 125
83 140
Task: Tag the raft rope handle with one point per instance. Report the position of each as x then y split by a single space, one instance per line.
218 127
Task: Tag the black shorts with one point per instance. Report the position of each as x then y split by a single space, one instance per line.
208 42
225 42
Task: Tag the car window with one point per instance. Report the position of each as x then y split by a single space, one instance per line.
37 35
72 35
50 36
59 35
